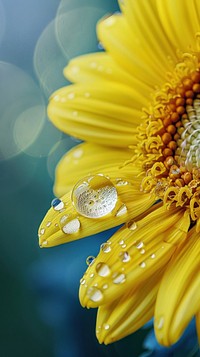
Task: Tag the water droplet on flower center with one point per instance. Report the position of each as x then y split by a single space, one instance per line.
95 196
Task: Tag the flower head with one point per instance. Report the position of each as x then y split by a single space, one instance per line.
139 166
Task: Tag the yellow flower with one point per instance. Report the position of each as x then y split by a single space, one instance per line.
151 266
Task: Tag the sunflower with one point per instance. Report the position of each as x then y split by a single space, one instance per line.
137 108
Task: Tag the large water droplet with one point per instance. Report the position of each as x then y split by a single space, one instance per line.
95 196
119 278
94 294
105 247
57 204
90 260
102 269
72 227
124 256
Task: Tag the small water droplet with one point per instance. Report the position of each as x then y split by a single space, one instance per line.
100 46
42 231
109 21
142 265
122 183
153 256
124 256
119 278
121 242
159 323
63 219
142 251
94 294
102 269
124 246
94 197
44 243
82 281
139 245
121 211
71 95
56 224
56 98
87 94
72 227
92 275
105 247
48 224
90 260
105 286
57 204
106 326
132 226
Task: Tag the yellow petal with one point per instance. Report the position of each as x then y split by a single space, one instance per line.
198 324
97 203
83 160
182 32
128 313
106 115
146 244
179 294
136 51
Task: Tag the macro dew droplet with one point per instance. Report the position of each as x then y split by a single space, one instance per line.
119 278
63 219
94 294
72 226
142 265
105 247
121 211
106 326
124 257
48 224
153 256
42 231
90 260
132 226
102 269
82 281
57 204
142 251
139 245
105 286
94 196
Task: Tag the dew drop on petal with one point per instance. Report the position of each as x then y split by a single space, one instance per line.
48 224
72 227
121 242
121 211
124 256
124 246
94 294
82 281
106 326
119 278
105 286
132 226
102 269
105 247
153 256
57 204
122 183
94 196
63 219
42 231
139 245
71 95
44 243
142 251
92 275
142 265
90 260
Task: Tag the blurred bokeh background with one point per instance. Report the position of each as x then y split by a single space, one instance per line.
40 311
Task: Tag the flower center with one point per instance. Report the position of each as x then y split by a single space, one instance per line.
169 140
